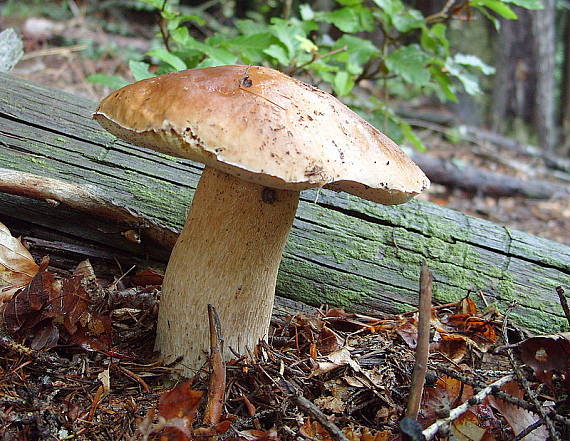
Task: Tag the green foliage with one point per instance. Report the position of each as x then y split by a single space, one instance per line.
414 56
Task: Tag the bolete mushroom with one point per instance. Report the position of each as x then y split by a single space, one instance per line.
263 138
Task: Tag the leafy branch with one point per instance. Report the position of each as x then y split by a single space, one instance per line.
414 55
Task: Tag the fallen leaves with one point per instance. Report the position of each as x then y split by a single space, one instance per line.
17 266
177 411
49 310
548 355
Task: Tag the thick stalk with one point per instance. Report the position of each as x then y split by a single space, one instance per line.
227 255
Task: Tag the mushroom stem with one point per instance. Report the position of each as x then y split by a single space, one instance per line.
227 255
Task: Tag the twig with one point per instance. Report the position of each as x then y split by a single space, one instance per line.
135 377
163 26
524 383
498 393
422 346
522 434
54 51
563 302
317 57
441 15
432 430
217 385
334 431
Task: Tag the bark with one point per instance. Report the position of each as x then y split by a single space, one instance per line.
565 85
342 251
543 28
524 82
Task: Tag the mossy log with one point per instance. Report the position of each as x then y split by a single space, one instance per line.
342 251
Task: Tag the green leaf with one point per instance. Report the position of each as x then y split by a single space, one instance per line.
444 83
473 61
247 27
527 4
411 137
409 62
306 12
156 3
408 20
343 83
139 70
496 6
346 19
285 32
112 81
349 2
306 44
390 7
258 41
168 58
468 80
279 53
434 39
358 53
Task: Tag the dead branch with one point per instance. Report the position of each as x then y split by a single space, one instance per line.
432 430
422 346
477 181
563 302
526 386
314 411
217 384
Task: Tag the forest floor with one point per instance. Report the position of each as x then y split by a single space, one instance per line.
87 371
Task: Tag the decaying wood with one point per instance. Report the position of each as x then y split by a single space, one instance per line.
84 198
342 251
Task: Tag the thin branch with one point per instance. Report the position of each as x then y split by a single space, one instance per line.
163 26
444 13
563 302
317 57
334 431
422 346
526 386
217 385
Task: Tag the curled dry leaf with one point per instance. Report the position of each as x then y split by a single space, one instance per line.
547 355
339 358
49 309
17 266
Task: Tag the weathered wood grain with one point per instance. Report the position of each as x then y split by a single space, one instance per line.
342 251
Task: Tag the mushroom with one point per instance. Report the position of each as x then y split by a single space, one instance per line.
263 137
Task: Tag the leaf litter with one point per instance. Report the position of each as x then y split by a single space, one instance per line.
77 362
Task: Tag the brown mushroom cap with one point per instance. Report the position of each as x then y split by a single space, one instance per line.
264 127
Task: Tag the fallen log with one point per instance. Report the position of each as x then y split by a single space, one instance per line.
477 181
342 251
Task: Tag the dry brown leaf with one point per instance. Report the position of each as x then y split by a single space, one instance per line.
518 418
337 359
315 431
466 427
365 434
17 266
547 354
